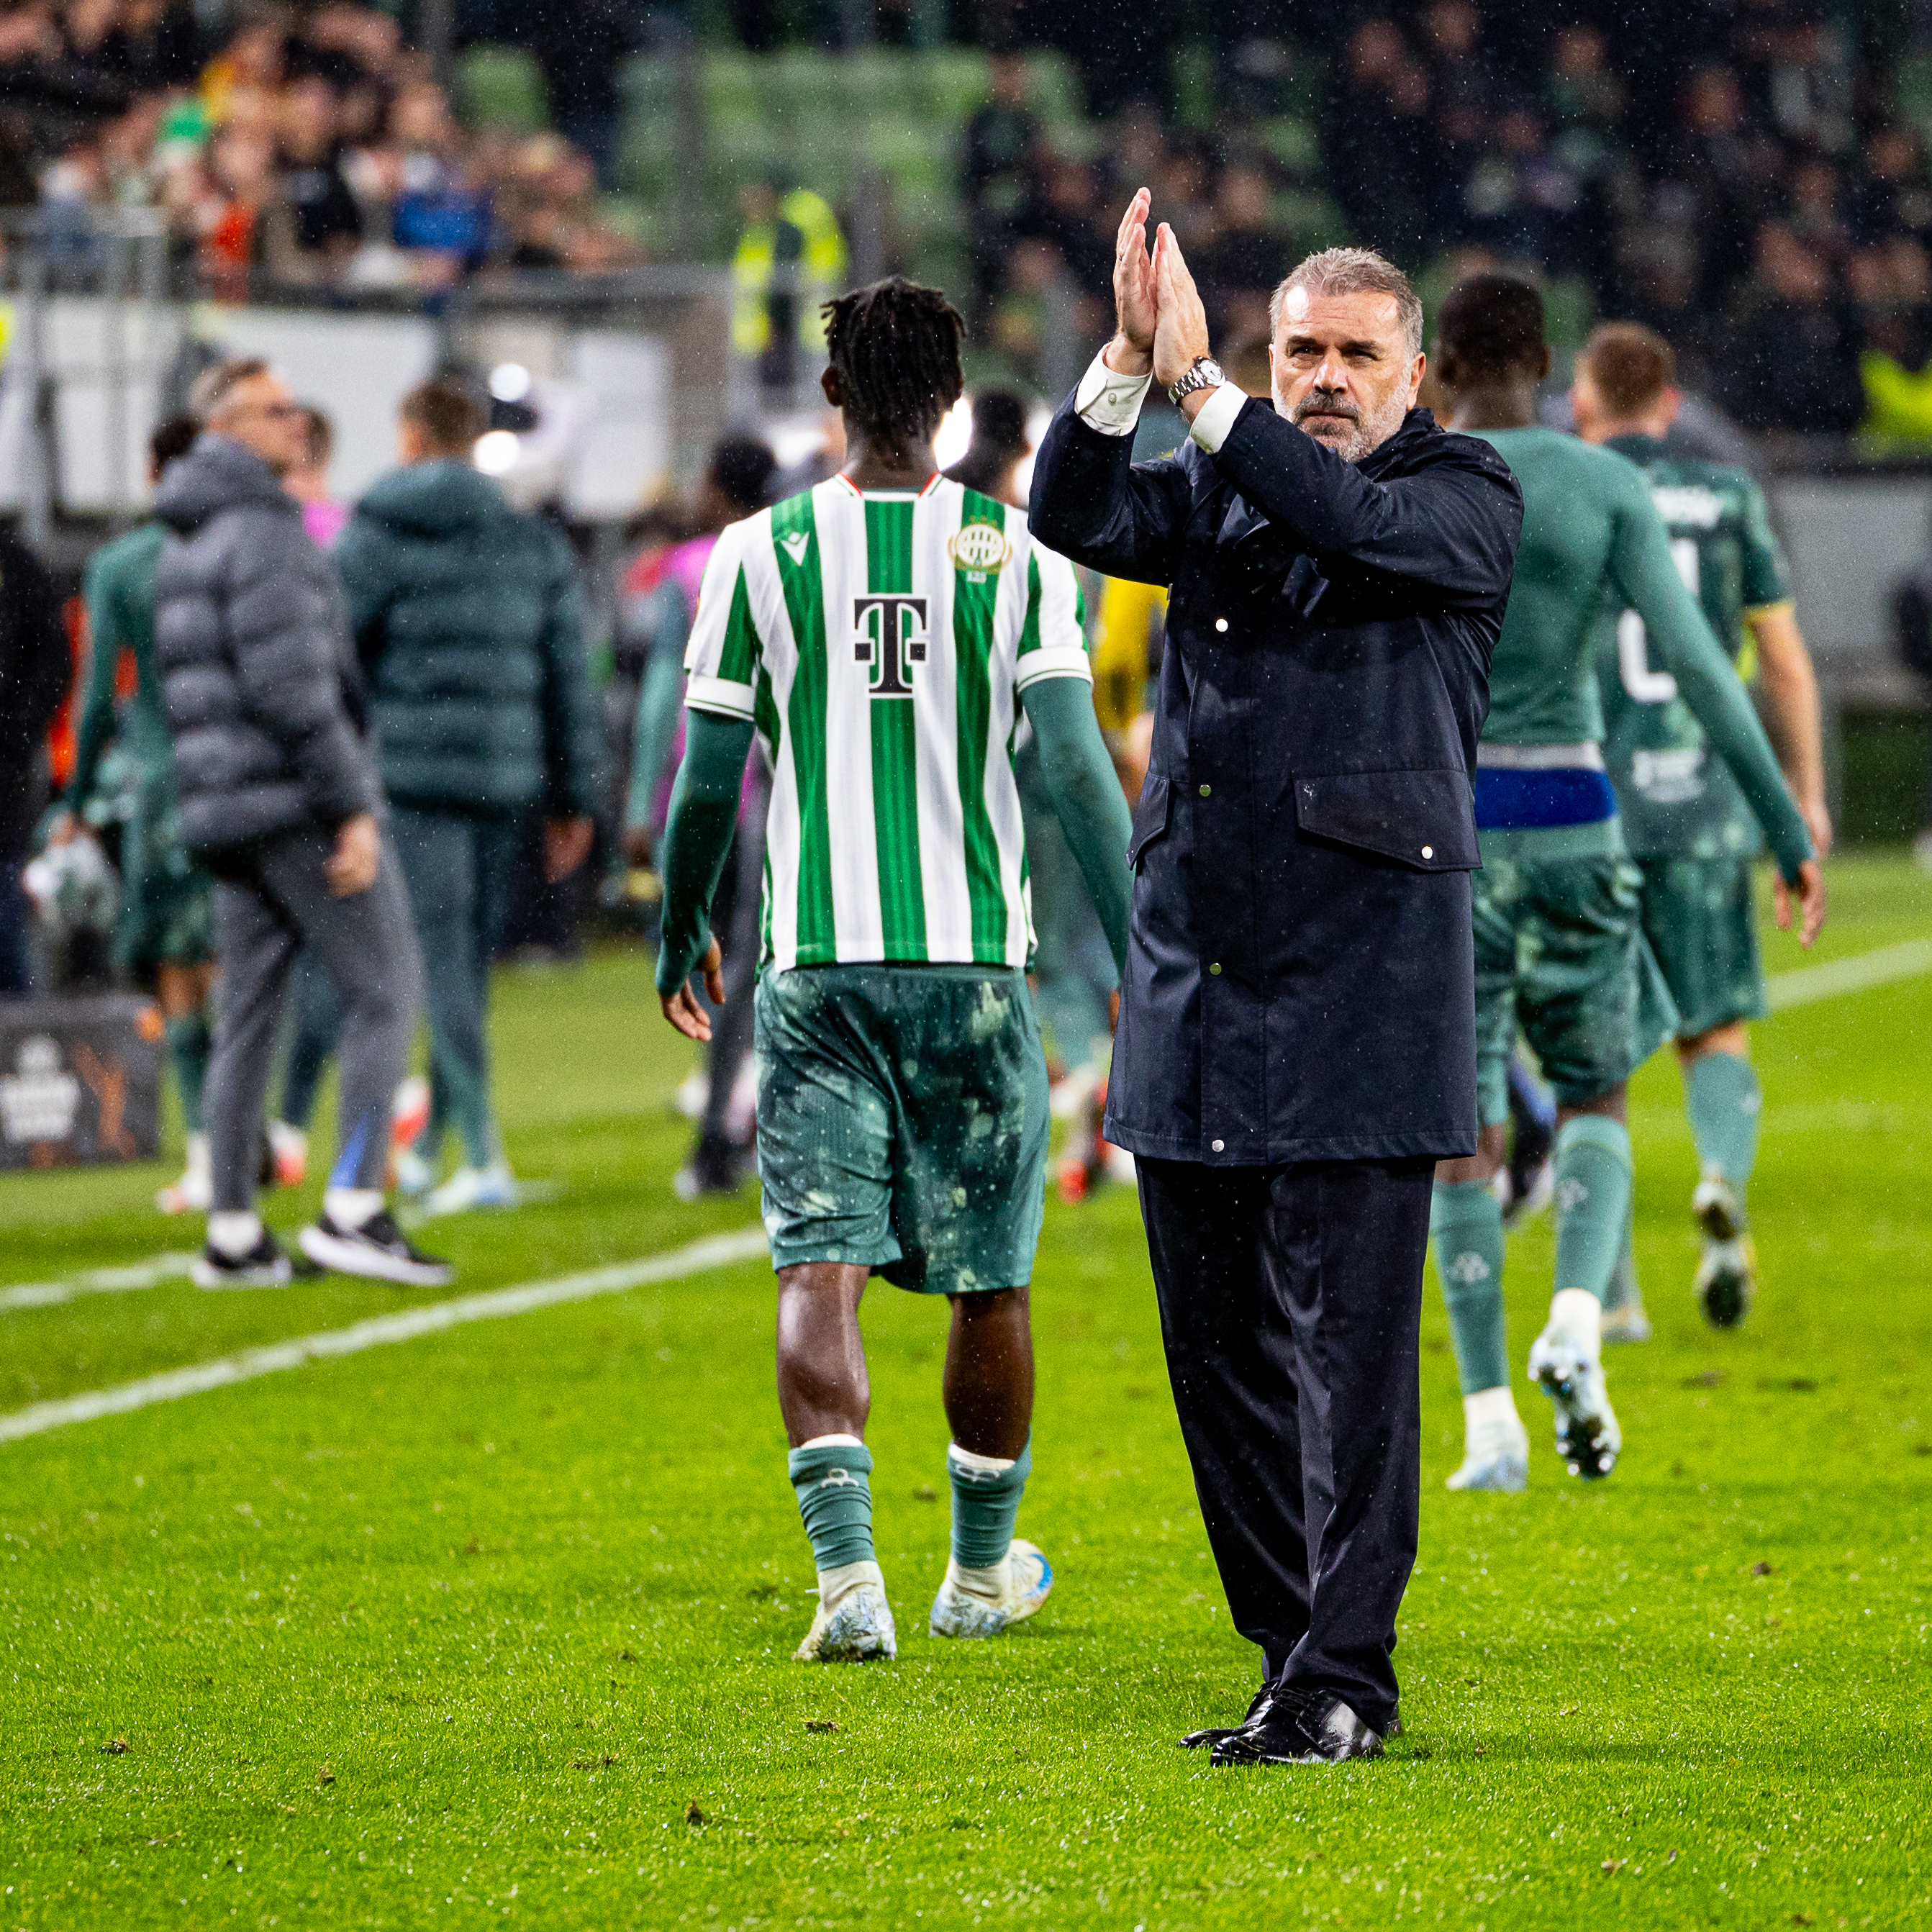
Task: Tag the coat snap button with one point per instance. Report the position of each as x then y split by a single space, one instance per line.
1429 851
1220 623
1207 791
1216 969
1220 1147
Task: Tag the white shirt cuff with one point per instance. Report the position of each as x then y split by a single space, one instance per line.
1216 416
1108 401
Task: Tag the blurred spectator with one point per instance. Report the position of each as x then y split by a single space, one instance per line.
324 225
1792 360
789 259
581 48
1246 255
999 445
439 212
323 515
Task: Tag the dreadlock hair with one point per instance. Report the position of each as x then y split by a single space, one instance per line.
895 346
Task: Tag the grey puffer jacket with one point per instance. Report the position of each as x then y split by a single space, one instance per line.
264 699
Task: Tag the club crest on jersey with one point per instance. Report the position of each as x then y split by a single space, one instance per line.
889 634
979 549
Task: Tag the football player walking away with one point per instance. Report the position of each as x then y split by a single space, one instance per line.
1560 945
882 633
1685 822
165 930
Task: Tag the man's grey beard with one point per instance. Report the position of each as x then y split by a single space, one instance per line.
1363 435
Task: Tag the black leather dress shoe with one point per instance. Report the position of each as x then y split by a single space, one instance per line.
1206 1739
1301 1727
1212 1734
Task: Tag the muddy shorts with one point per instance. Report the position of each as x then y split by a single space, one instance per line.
902 1122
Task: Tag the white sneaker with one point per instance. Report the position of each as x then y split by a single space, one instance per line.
853 1622
194 1193
468 1187
1587 1438
1495 1457
1626 1322
415 1176
982 1603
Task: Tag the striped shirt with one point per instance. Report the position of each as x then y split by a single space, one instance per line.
879 641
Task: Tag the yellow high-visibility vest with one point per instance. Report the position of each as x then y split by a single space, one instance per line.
820 264
1123 648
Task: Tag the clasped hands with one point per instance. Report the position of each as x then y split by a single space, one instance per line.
1162 328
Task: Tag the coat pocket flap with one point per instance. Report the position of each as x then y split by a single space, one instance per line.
1150 818
1425 819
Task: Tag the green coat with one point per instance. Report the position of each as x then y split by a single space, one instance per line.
120 588
469 627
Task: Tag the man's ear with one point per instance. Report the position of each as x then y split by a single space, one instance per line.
834 389
1549 363
1415 376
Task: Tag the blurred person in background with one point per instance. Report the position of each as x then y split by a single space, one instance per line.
736 484
36 669
790 257
319 227
281 800
123 782
469 627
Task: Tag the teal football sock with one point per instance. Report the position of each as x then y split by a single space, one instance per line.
986 1491
1725 1103
1593 1201
189 1044
831 1476
1623 1277
1466 1220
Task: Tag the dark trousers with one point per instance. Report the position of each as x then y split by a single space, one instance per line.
1290 1302
269 906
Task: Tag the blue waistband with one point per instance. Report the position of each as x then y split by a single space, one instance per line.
1507 799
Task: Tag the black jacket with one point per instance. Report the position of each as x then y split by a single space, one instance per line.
36 668
264 699
1300 971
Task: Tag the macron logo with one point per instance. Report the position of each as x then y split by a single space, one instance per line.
796 545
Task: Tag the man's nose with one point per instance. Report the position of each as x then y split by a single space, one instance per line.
1334 373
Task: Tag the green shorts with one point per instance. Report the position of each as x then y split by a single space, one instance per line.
902 1123
1701 919
166 915
1561 954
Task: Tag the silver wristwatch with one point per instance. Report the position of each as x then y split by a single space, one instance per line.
1203 372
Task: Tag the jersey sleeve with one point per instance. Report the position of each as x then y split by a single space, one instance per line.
1053 636
720 661
1766 580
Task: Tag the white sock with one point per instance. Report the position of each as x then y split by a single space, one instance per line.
197 1153
350 1207
1576 1314
1490 1423
834 1585
824 1441
980 1466
232 1231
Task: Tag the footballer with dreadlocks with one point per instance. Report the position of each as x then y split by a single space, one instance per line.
882 633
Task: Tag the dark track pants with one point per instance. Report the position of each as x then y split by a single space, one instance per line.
1290 1302
269 907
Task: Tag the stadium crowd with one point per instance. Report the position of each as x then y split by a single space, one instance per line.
303 149
1744 186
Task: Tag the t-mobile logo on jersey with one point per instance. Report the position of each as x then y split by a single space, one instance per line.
889 634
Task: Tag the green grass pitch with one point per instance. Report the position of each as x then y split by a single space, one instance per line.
494 1627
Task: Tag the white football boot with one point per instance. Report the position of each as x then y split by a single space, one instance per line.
1566 1362
194 1192
492 1186
1495 1445
853 1622
982 1603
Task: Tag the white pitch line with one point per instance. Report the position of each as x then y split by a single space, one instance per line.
97 1281
1905 960
716 1251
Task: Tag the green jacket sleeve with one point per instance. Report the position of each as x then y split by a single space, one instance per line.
570 724
1647 576
1087 797
697 837
95 730
658 698
364 560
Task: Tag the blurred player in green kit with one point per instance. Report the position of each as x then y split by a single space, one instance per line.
1561 951
1685 820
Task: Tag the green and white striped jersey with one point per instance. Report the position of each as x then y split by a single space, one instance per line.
878 642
